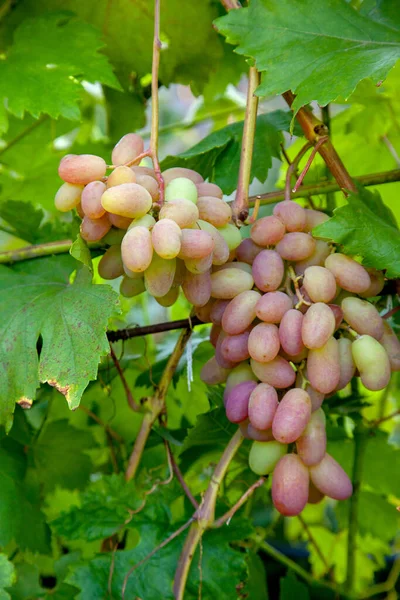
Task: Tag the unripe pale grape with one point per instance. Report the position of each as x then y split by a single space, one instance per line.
234 348
330 479
82 168
258 435
278 372
347 365
228 283
320 284
68 196
247 251
231 235
317 258
292 415
127 200
268 270
176 172
132 274
181 187
318 325
93 230
264 456
217 313
323 367
314 218
240 312
377 283
146 221
150 184
221 250
296 246
143 171
197 288
292 215
198 266
195 243
264 342
169 299
121 175
272 306
137 249
159 275
212 373
214 210
391 343
182 211
267 231
372 362
119 222
316 397
314 495
111 265
349 274
209 189
238 374
132 287
91 199
363 317
234 265
127 149
263 403
290 483
311 445
290 329
166 238
237 401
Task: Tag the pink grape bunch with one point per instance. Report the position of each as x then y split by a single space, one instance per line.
160 248
292 325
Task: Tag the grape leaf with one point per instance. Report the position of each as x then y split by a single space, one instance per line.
319 51
386 517
291 587
7 576
52 53
217 156
81 252
28 222
37 299
365 227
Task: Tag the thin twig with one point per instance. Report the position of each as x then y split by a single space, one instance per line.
180 477
391 312
109 430
293 168
314 542
228 515
396 413
304 172
295 279
131 401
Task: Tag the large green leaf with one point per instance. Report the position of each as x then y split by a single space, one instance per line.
217 156
318 50
365 227
7 576
51 54
37 299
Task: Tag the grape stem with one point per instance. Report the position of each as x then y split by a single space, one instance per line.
304 172
180 477
228 515
383 419
292 168
313 541
296 278
131 401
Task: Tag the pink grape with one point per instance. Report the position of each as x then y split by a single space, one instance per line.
247 251
214 210
82 168
292 215
296 246
111 265
314 495
221 360
238 374
290 330
92 230
195 244
294 358
209 189
234 348
272 306
198 266
166 238
278 372
268 270
150 184
264 342
240 312
267 231
128 148
259 435
263 403
391 343
264 456
290 484
143 171
337 313
347 365
234 265
377 283
314 218
197 288
317 258
323 367
120 222
221 250
318 325
292 416
311 445
182 211
214 334
237 401
316 397
319 283
229 283
204 312
212 373
176 172
121 175
363 317
330 479
137 249
217 313
91 199
372 362
349 274
68 196
159 275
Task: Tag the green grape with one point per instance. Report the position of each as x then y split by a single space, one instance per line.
264 456
181 187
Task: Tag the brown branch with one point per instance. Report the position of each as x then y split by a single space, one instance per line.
228 515
313 130
390 313
131 332
131 401
180 477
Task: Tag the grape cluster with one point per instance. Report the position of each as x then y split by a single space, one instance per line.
158 250
292 325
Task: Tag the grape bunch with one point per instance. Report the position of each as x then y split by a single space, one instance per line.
157 249
291 326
